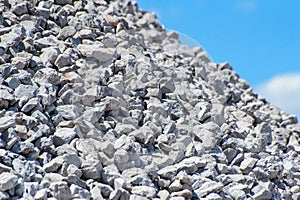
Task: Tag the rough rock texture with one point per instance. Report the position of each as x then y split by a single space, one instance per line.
98 101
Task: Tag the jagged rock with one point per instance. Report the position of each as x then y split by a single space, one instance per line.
98 52
8 181
208 187
146 191
260 192
92 169
60 190
66 134
6 122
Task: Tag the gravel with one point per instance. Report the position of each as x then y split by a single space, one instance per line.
99 101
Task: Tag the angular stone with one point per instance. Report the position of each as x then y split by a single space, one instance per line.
66 134
63 60
91 169
78 192
47 75
28 91
23 147
6 122
175 186
146 191
208 187
49 55
32 103
97 52
67 31
163 194
8 181
60 190
187 194
260 193
248 164
63 2
208 138
12 82
70 112
41 194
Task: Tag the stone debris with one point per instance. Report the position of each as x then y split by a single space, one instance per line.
99 101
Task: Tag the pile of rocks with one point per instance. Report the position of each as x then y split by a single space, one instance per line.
98 101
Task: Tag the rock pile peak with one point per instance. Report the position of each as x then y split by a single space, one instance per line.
99 101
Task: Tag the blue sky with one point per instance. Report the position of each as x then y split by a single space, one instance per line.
259 38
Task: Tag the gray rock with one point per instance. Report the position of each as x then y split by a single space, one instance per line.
187 194
49 55
91 169
63 60
145 191
46 76
67 31
248 164
66 134
12 82
8 181
6 122
260 192
27 91
95 51
20 8
208 187
60 190
70 112
78 192
32 103
41 194
64 2
23 147
6 93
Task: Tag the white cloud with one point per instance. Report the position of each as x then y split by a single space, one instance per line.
245 5
283 91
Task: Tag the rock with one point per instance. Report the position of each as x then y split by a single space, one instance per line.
78 192
6 122
8 181
163 194
66 134
70 112
260 192
41 194
13 83
208 187
46 76
248 164
60 190
146 191
63 60
99 53
20 8
91 169
67 31
187 194
32 103
49 55
23 147
175 186
64 2
27 91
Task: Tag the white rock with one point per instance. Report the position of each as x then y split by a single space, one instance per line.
8 181
208 187
146 191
